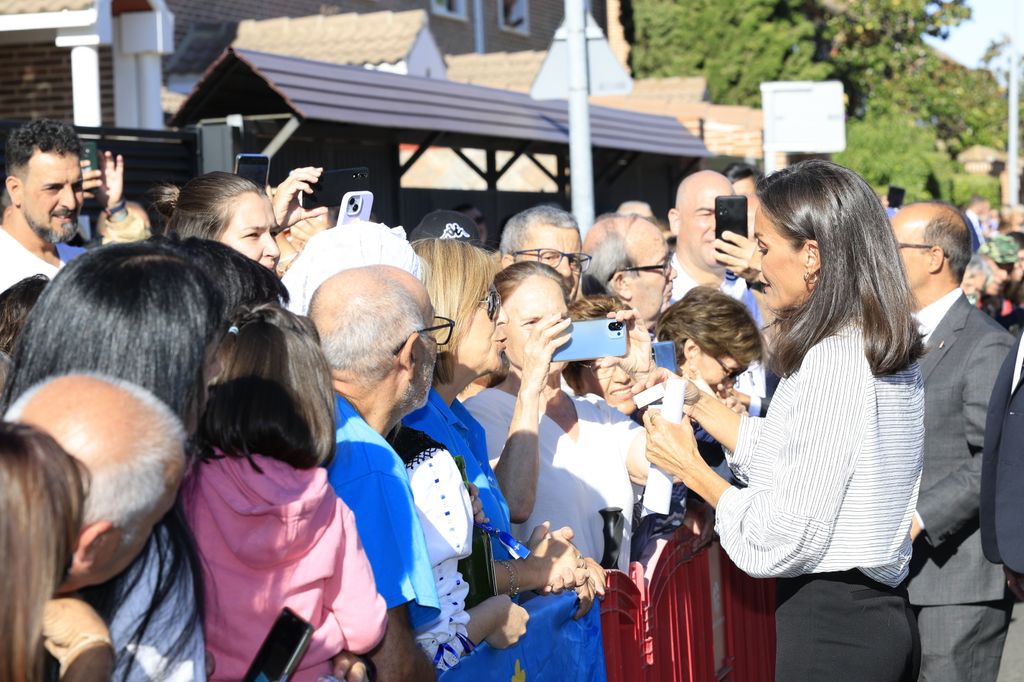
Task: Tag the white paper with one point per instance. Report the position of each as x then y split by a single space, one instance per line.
658 493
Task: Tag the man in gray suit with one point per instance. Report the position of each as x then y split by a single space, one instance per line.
960 598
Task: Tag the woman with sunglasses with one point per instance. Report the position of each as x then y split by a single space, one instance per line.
832 471
459 280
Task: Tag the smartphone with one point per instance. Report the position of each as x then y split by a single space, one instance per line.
590 339
255 167
730 215
90 153
333 185
896 195
355 207
282 650
665 355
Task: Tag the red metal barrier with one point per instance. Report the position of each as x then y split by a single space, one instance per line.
679 611
622 628
667 633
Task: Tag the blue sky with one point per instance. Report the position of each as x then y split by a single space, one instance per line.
989 20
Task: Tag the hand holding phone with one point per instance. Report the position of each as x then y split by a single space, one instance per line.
254 167
356 207
328 189
592 339
730 215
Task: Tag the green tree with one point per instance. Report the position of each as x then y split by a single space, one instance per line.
735 44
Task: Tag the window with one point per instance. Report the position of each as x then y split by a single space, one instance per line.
456 9
514 16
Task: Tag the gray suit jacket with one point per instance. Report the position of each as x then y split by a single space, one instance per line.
964 355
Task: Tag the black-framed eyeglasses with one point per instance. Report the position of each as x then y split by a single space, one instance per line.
552 257
493 302
443 336
730 373
663 268
904 245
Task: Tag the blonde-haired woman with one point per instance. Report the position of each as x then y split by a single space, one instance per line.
459 277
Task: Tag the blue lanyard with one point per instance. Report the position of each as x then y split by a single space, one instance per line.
517 549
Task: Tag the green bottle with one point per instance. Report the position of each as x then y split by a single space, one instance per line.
478 568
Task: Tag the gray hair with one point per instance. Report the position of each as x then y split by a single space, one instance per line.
518 226
977 264
128 489
367 327
607 258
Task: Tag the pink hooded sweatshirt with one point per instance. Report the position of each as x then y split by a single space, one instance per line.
276 539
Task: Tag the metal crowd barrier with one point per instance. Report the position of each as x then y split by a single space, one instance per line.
698 619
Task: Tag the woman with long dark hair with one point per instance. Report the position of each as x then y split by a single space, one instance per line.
833 470
144 313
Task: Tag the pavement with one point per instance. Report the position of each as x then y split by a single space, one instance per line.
1012 667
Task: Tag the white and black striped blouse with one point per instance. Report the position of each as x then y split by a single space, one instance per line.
832 471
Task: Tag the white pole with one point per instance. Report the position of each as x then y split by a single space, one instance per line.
1013 172
85 85
581 162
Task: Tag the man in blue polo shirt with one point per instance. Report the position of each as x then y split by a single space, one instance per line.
374 324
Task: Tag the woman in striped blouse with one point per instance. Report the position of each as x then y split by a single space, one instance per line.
832 471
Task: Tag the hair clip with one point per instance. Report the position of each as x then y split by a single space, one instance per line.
233 330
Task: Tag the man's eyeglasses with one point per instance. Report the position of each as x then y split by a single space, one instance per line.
443 328
663 268
493 302
577 261
904 245
730 373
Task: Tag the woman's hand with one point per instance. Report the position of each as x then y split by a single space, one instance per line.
511 623
739 254
554 560
638 361
287 210
591 589
547 336
478 506
73 631
671 447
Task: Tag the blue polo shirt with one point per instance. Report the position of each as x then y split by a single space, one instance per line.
371 479
456 428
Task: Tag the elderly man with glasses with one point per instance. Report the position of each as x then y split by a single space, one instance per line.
549 235
631 261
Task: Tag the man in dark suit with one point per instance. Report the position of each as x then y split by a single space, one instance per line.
959 598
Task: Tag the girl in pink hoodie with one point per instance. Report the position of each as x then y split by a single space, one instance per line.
270 529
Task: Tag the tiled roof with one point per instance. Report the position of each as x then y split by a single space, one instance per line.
505 70
171 101
202 44
352 38
34 6
679 88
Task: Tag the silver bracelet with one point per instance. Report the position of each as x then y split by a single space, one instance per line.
513 581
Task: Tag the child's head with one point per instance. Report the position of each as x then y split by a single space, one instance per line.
273 394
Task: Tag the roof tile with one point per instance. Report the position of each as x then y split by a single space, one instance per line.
35 6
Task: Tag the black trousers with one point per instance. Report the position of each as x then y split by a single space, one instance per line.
844 626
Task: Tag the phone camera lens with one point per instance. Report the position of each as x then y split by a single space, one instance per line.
615 326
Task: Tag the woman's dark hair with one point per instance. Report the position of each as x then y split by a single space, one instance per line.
737 171
141 312
273 396
15 304
41 501
242 281
861 279
203 206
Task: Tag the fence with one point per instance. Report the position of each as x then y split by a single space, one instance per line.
698 619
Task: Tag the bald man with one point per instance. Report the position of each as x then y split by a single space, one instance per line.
128 441
375 325
958 596
630 261
692 221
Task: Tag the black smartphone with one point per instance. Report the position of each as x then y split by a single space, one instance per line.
335 184
91 153
896 195
282 650
255 167
730 215
665 355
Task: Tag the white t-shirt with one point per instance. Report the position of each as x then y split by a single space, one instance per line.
577 479
17 262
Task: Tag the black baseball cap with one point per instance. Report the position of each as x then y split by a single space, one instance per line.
443 224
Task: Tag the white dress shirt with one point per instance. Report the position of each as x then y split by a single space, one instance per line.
832 472
929 317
